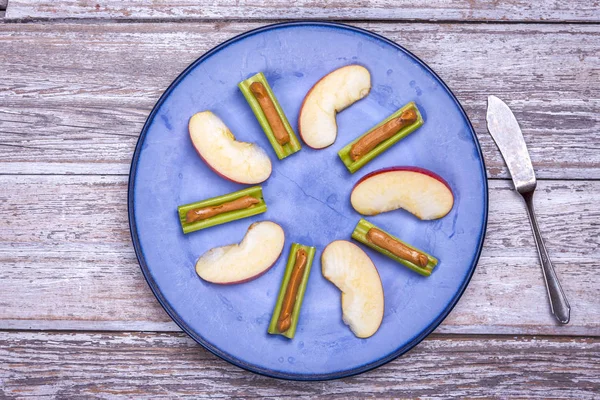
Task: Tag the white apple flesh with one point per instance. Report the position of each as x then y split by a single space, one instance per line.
238 263
237 161
334 92
352 271
416 190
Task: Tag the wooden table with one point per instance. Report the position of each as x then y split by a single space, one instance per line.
79 77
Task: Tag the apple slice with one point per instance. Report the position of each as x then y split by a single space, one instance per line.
417 190
238 263
352 271
239 162
334 92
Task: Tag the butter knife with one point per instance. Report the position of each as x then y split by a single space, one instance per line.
507 134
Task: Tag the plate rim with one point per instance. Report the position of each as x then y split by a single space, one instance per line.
215 350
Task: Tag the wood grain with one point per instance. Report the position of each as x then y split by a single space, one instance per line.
435 10
148 365
74 97
68 261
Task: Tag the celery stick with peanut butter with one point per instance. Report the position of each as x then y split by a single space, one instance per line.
291 293
389 245
270 115
222 209
397 126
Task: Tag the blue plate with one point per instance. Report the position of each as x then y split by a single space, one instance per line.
308 195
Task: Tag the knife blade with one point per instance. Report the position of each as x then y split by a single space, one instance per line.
505 131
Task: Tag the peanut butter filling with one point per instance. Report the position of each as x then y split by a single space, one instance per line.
199 214
268 108
385 241
285 315
381 134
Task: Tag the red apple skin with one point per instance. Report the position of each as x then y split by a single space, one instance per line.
302 107
405 168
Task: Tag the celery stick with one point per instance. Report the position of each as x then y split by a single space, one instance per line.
310 252
360 234
282 151
354 166
255 191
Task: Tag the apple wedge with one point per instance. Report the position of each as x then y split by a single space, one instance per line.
238 263
239 162
333 93
352 271
416 190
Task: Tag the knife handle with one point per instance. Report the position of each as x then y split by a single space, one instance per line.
558 301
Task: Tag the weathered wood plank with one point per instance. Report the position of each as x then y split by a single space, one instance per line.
73 269
72 100
436 10
148 365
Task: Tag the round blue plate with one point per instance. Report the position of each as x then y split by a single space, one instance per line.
308 195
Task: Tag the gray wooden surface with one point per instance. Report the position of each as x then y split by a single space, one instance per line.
157 365
436 10
77 80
